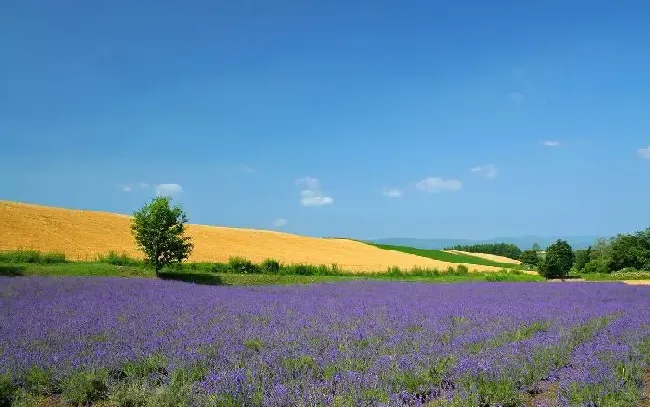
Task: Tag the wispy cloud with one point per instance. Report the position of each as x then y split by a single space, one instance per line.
280 222
550 143
245 169
312 193
488 170
437 184
392 192
644 152
132 186
168 189
517 97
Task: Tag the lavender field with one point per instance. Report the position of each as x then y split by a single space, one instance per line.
131 342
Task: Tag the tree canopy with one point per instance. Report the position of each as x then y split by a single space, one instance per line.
158 230
558 261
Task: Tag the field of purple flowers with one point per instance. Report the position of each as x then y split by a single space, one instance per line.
130 342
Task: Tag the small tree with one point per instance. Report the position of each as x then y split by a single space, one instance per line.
159 230
558 261
581 258
530 258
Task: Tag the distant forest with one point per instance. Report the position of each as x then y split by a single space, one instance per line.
500 249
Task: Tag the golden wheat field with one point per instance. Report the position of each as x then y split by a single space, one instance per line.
82 235
487 256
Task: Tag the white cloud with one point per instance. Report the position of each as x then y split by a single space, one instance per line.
644 152
517 97
489 170
392 192
132 186
437 184
245 169
312 193
168 189
280 222
550 143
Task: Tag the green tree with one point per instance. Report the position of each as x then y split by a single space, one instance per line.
159 230
581 258
536 247
529 258
558 261
631 251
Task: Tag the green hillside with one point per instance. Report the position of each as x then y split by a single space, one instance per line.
444 256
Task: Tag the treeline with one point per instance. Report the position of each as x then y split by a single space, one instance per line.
500 249
623 252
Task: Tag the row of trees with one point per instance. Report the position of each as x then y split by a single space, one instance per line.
500 249
621 252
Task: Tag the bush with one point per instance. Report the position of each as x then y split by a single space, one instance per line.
220 268
394 271
7 390
597 266
112 257
243 266
462 269
31 256
85 388
628 270
271 266
39 381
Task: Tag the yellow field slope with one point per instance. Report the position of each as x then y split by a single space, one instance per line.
487 256
82 235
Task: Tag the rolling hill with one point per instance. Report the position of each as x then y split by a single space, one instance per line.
82 235
523 242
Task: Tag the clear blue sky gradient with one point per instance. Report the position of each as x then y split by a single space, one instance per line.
235 101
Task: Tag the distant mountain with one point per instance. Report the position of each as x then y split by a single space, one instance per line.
524 242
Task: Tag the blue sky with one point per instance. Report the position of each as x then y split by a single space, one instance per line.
367 119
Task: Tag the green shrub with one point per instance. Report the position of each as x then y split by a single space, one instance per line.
39 381
116 259
271 266
84 388
7 390
31 256
496 277
242 265
394 271
303 269
462 269
220 268
628 270
132 393
597 266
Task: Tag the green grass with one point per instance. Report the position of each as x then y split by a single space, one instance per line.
639 275
31 256
200 274
447 257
